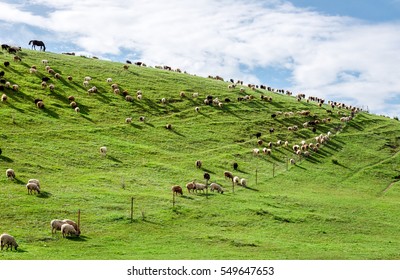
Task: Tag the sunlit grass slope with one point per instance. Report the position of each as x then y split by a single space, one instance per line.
342 202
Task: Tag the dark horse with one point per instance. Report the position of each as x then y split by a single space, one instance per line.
37 43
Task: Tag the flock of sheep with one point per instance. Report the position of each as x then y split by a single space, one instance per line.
70 228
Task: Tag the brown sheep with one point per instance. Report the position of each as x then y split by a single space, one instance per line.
177 190
228 175
190 187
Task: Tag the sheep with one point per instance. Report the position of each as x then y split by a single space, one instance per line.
199 187
267 151
236 180
168 126
8 240
142 118
3 97
56 225
10 173
190 187
256 151
32 70
177 190
228 175
32 187
45 61
103 151
57 75
195 95
128 120
35 181
163 100
52 87
198 163
69 78
77 110
117 91
92 90
292 161
87 78
182 94
235 165
40 104
109 80
85 83
43 84
218 188
15 87
128 98
114 86
243 182
73 104
72 223
139 97
67 229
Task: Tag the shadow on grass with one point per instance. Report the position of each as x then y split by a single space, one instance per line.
44 195
5 159
114 159
81 238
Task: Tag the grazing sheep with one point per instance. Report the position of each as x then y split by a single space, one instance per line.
142 118
163 100
218 188
43 84
236 180
256 151
168 126
228 175
77 110
128 98
40 104
190 187
10 174
3 97
197 109
103 151
128 120
199 187
292 161
195 95
6 63
67 229
198 163
72 223
35 181
177 190
73 104
8 240
52 87
57 75
45 61
267 151
16 58
243 182
139 97
92 90
69 78
32 187
85 83
109 80
15 87
56 225
87 78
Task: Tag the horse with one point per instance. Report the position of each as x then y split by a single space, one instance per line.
37 43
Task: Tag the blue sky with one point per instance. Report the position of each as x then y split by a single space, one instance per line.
344 51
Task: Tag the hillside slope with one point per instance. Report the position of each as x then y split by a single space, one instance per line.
341 202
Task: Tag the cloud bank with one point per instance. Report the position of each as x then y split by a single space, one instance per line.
334 57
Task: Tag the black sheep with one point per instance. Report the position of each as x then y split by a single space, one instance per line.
45 79
6 63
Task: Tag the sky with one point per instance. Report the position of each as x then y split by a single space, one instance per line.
343 50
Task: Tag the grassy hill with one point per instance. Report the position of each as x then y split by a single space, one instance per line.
342 202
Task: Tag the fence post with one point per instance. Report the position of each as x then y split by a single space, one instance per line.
131 209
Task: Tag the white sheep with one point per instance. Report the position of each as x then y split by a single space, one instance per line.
85 83
109 80
103 151
128 120
197 109
236 180
256 151
215 186
87 78
8 240
32 187
243 182
45 61
163 100
267 151
292 161
35 181
3 97
67 229
10 173
195 95
72 223
56 225
199 187
77 110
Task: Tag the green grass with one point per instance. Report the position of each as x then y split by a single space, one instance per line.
341 203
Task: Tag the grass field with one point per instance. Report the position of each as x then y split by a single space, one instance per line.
342 202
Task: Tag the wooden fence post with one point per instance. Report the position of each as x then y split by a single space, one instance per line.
131 209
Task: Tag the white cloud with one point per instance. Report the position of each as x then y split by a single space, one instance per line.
328 56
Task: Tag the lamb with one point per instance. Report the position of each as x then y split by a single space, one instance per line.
10 174
177 190
67 229
8 240
32 187
198 163
218 188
